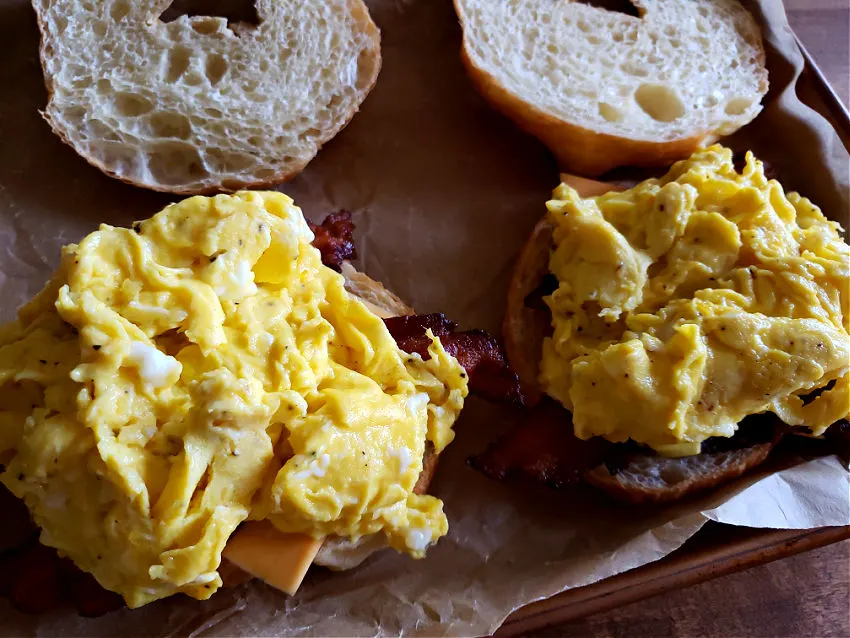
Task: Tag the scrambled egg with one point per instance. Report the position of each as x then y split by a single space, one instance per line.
202 369
694 300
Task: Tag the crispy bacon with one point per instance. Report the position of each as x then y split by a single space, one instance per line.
36 580
490 377
480 355
838 437
86 594
334 239
543 448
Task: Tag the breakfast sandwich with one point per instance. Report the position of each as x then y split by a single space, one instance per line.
217 381
670 334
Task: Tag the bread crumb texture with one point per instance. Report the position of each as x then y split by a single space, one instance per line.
197 104
681 68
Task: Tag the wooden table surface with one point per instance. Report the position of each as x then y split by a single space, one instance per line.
808 594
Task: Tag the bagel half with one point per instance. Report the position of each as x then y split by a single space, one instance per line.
643 478
604 88
196 104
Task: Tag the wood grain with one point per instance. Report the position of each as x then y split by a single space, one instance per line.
824 32
806 595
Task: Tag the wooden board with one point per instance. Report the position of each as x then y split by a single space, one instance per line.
717 549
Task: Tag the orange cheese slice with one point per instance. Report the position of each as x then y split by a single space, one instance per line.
280 559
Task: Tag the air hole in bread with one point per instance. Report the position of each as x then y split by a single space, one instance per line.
241 13
119 10
131 105
169 125
99 129
617 6
659 102
267 174
193 78
216 67
609 112
104 86
633 69
175 163
99 29
738 106
75 115
178 61
222 161
671 474
206 25
230 184
363 71
82 82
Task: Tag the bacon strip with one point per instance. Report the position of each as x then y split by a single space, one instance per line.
481 356
838 437
490 376
543 448
36 580
334 239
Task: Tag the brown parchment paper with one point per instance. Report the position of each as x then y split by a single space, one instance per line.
444 191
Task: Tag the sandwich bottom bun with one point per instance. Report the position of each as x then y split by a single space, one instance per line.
341 553
643 478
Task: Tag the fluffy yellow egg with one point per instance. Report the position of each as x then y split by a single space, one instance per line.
204 368
692 301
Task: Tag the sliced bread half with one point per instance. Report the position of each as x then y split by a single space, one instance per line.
657 479
644 478
604 89
196 105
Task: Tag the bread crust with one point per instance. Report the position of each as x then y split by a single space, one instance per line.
578 149
728 466
359 11
525 328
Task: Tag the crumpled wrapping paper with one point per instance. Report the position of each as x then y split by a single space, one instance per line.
444 192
